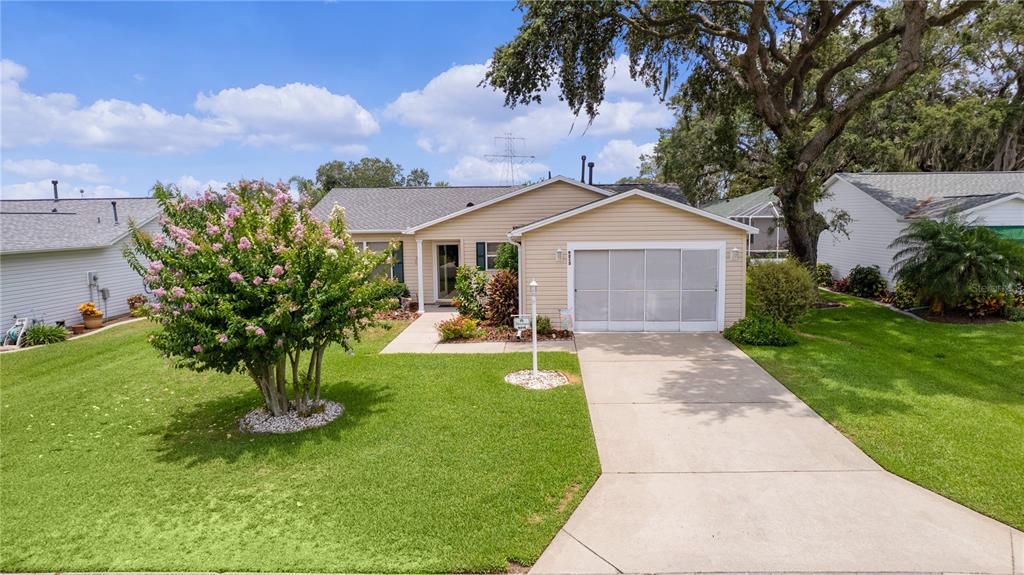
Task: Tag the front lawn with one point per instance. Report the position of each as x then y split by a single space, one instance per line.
939 404
113 461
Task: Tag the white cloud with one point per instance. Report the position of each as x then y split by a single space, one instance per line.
472 170
454 115
52 170
351 150
621 156
192 185
296 115
43 189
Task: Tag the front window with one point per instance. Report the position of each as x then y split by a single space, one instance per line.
385 269
492 254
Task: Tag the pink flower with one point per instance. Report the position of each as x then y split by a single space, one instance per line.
186 307
223 338
257 280
244 243
230 197
177 292
290 282
227 223
228 237
197 348
216 247
279 249
212 229
156 266
298 230
279 343
223 261
235 277
159 292
272 281
277 271
155 307
259 332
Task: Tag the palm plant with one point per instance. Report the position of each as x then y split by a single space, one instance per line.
946 259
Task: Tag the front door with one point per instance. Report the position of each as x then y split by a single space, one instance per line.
447 264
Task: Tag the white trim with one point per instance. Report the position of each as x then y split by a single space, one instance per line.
985 206
720 245
631 193
420 291
519 272
354 232
504 197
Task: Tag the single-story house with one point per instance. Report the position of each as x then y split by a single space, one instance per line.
881 205
761 210
56 255
616 257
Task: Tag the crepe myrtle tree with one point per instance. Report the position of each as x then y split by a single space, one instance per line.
249 280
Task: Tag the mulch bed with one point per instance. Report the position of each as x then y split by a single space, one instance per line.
827 304
956 316
396 315
106 322
492 333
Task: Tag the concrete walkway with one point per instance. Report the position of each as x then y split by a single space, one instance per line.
711 465
421 337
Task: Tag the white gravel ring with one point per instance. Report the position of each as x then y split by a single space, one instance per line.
544 379
260 420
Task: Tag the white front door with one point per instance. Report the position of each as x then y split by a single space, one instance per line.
647 288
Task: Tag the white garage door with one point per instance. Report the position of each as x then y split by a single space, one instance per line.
646 289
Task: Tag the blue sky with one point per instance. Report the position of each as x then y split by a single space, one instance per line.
111 97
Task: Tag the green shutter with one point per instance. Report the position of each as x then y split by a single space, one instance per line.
481 255
398 267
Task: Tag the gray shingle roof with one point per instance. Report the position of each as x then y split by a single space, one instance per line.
33 225
743 205
931 194
396 209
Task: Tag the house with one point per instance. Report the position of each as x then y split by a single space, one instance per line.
616 257
55 255
881 205
761 210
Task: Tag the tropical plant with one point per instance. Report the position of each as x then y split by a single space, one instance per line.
904 296
502 298
507 257
88 309
867 281
543 325
42 334
760 330
946 259
470 291
394 291
249 280
782 291
459 327
841 285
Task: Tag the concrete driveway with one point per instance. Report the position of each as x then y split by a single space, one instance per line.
711 465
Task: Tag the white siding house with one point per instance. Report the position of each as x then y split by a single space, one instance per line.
47 256
881 205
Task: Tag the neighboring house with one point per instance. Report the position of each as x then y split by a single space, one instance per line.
881 205
761 210
55 255
616 257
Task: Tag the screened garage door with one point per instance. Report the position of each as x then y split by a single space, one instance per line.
646 289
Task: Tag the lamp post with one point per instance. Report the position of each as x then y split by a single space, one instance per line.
533 323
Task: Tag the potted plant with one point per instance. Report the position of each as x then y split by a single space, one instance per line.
136 300
92 317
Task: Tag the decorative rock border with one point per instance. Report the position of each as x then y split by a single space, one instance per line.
544 379
260 421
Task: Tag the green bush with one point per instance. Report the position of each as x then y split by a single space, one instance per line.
507 257
823 274
471 291
459 327
543 325
905 295
41 334
394 290
945 258
867 281
783 291
759 330
502 298
841 285
1013 313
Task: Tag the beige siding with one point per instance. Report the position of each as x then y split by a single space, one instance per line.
492 223
409 259
631 219
872 227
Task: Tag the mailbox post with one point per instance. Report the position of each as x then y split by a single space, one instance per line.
533 322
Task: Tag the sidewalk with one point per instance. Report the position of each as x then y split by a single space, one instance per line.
421 337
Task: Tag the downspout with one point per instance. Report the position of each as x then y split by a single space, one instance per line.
519 259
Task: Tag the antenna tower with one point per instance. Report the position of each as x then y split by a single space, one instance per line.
510 158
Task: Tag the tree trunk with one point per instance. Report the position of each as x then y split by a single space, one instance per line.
282 383
1007 158
319 359
803 223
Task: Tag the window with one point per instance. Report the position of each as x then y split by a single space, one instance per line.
492 254
391 270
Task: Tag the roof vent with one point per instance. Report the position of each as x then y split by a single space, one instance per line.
590 179
583 169
55 196
113 204
469 205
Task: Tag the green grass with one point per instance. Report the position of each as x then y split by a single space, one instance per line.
939 404
112 460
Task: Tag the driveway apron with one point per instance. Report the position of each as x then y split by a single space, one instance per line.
711 465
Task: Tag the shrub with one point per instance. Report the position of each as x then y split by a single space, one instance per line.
41 334
980 302
249 280
502 298
543 325
136 300
507 257
841 285
945 258
760 330
471 291
459 327
393 290
783 291
904 296
1013 313
823 274
139 311
867 281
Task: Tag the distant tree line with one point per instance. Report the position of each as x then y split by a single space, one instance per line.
369 172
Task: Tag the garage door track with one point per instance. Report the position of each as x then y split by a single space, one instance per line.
711 465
